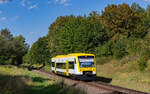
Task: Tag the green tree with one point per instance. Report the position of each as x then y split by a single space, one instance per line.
5 49
119 48
12 49
39 53
77 34
137 8
147 18
54 29
5 34
19 49
121 19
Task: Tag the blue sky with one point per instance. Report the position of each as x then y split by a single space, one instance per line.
31 18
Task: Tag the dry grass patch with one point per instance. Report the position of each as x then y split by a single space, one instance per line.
126 75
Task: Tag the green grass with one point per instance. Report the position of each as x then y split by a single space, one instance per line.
15 80
126 74
47 67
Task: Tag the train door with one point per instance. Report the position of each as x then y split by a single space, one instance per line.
71 66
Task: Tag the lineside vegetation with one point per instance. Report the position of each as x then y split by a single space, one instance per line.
118 31
119 36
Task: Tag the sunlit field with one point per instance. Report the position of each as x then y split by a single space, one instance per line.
15 80
126 75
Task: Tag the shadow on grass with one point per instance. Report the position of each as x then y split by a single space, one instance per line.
53 89
12 84
22 85
50 89
103 79
39 79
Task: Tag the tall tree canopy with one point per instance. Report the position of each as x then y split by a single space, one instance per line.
76 34
54 29
122 19
39 53
110 33
12 49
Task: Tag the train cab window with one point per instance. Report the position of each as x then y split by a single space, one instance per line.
86 61
71 65
52 64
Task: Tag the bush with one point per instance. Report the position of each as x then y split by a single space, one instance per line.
113 48
26 59
142 62
105 50
129 59
119 48
2 61
132 45
103 60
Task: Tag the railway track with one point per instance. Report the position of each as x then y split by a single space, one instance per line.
116 89
94 87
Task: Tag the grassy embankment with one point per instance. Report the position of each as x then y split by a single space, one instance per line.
15 80
124 73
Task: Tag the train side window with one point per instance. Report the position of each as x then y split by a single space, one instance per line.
52 64
71 65
61 65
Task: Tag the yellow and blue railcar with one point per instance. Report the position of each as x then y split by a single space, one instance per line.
79 65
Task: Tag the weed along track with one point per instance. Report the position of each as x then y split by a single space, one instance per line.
93 87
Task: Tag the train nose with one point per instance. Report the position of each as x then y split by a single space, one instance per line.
88 76
88 73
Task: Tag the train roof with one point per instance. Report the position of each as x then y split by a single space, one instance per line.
74 54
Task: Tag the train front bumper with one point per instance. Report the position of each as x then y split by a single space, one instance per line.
86 77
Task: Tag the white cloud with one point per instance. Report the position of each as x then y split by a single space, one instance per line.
3 1
33 6
147 0
15 18
23 3
33 33
29 2
56 0
3 18
64 2
1 12
49 1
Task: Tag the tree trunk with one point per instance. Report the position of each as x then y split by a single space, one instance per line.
13 61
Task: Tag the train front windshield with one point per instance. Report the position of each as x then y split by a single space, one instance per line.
86 61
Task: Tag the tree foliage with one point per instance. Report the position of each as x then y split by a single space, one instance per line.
12 49
38 53
117 31
122 20
79 34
